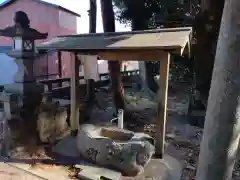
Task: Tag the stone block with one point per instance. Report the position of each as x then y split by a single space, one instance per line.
51 121
167 168
93 172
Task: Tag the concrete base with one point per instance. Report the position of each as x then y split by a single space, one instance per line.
167 168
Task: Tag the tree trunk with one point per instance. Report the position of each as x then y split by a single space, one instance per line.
90 96
222 126
147 81
113 66
93 16
207 29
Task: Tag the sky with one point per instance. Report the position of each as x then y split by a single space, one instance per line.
81 7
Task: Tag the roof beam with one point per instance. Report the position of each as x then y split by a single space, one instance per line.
132 55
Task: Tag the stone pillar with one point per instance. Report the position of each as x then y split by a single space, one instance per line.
31 89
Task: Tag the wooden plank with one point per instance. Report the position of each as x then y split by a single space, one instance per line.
133 55
62 102
162 105
75 93
51 81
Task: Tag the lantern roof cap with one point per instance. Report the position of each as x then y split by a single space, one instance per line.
25 33
22 28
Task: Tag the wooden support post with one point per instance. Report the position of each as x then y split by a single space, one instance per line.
60 63
75 94
162 105
60 67
49 85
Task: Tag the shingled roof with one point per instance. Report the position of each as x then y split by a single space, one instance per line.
8 2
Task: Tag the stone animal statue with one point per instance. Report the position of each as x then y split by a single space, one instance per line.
123 150
51 120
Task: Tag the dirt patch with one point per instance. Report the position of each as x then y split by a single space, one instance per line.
25 142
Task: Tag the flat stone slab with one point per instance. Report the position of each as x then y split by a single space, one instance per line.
8 172
93 172
67 147
88 171
50 173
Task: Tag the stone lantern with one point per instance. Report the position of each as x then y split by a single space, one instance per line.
24 53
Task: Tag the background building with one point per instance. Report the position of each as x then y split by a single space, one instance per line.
45 17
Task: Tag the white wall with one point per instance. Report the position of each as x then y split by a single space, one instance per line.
8 68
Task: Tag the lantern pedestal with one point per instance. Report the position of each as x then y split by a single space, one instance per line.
17 87
25 86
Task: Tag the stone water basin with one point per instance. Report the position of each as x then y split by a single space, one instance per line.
123 150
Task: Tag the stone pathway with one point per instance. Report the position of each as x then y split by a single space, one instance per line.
40 172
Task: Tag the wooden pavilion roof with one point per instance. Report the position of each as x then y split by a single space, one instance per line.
174 39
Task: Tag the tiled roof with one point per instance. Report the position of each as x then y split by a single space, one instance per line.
8 2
